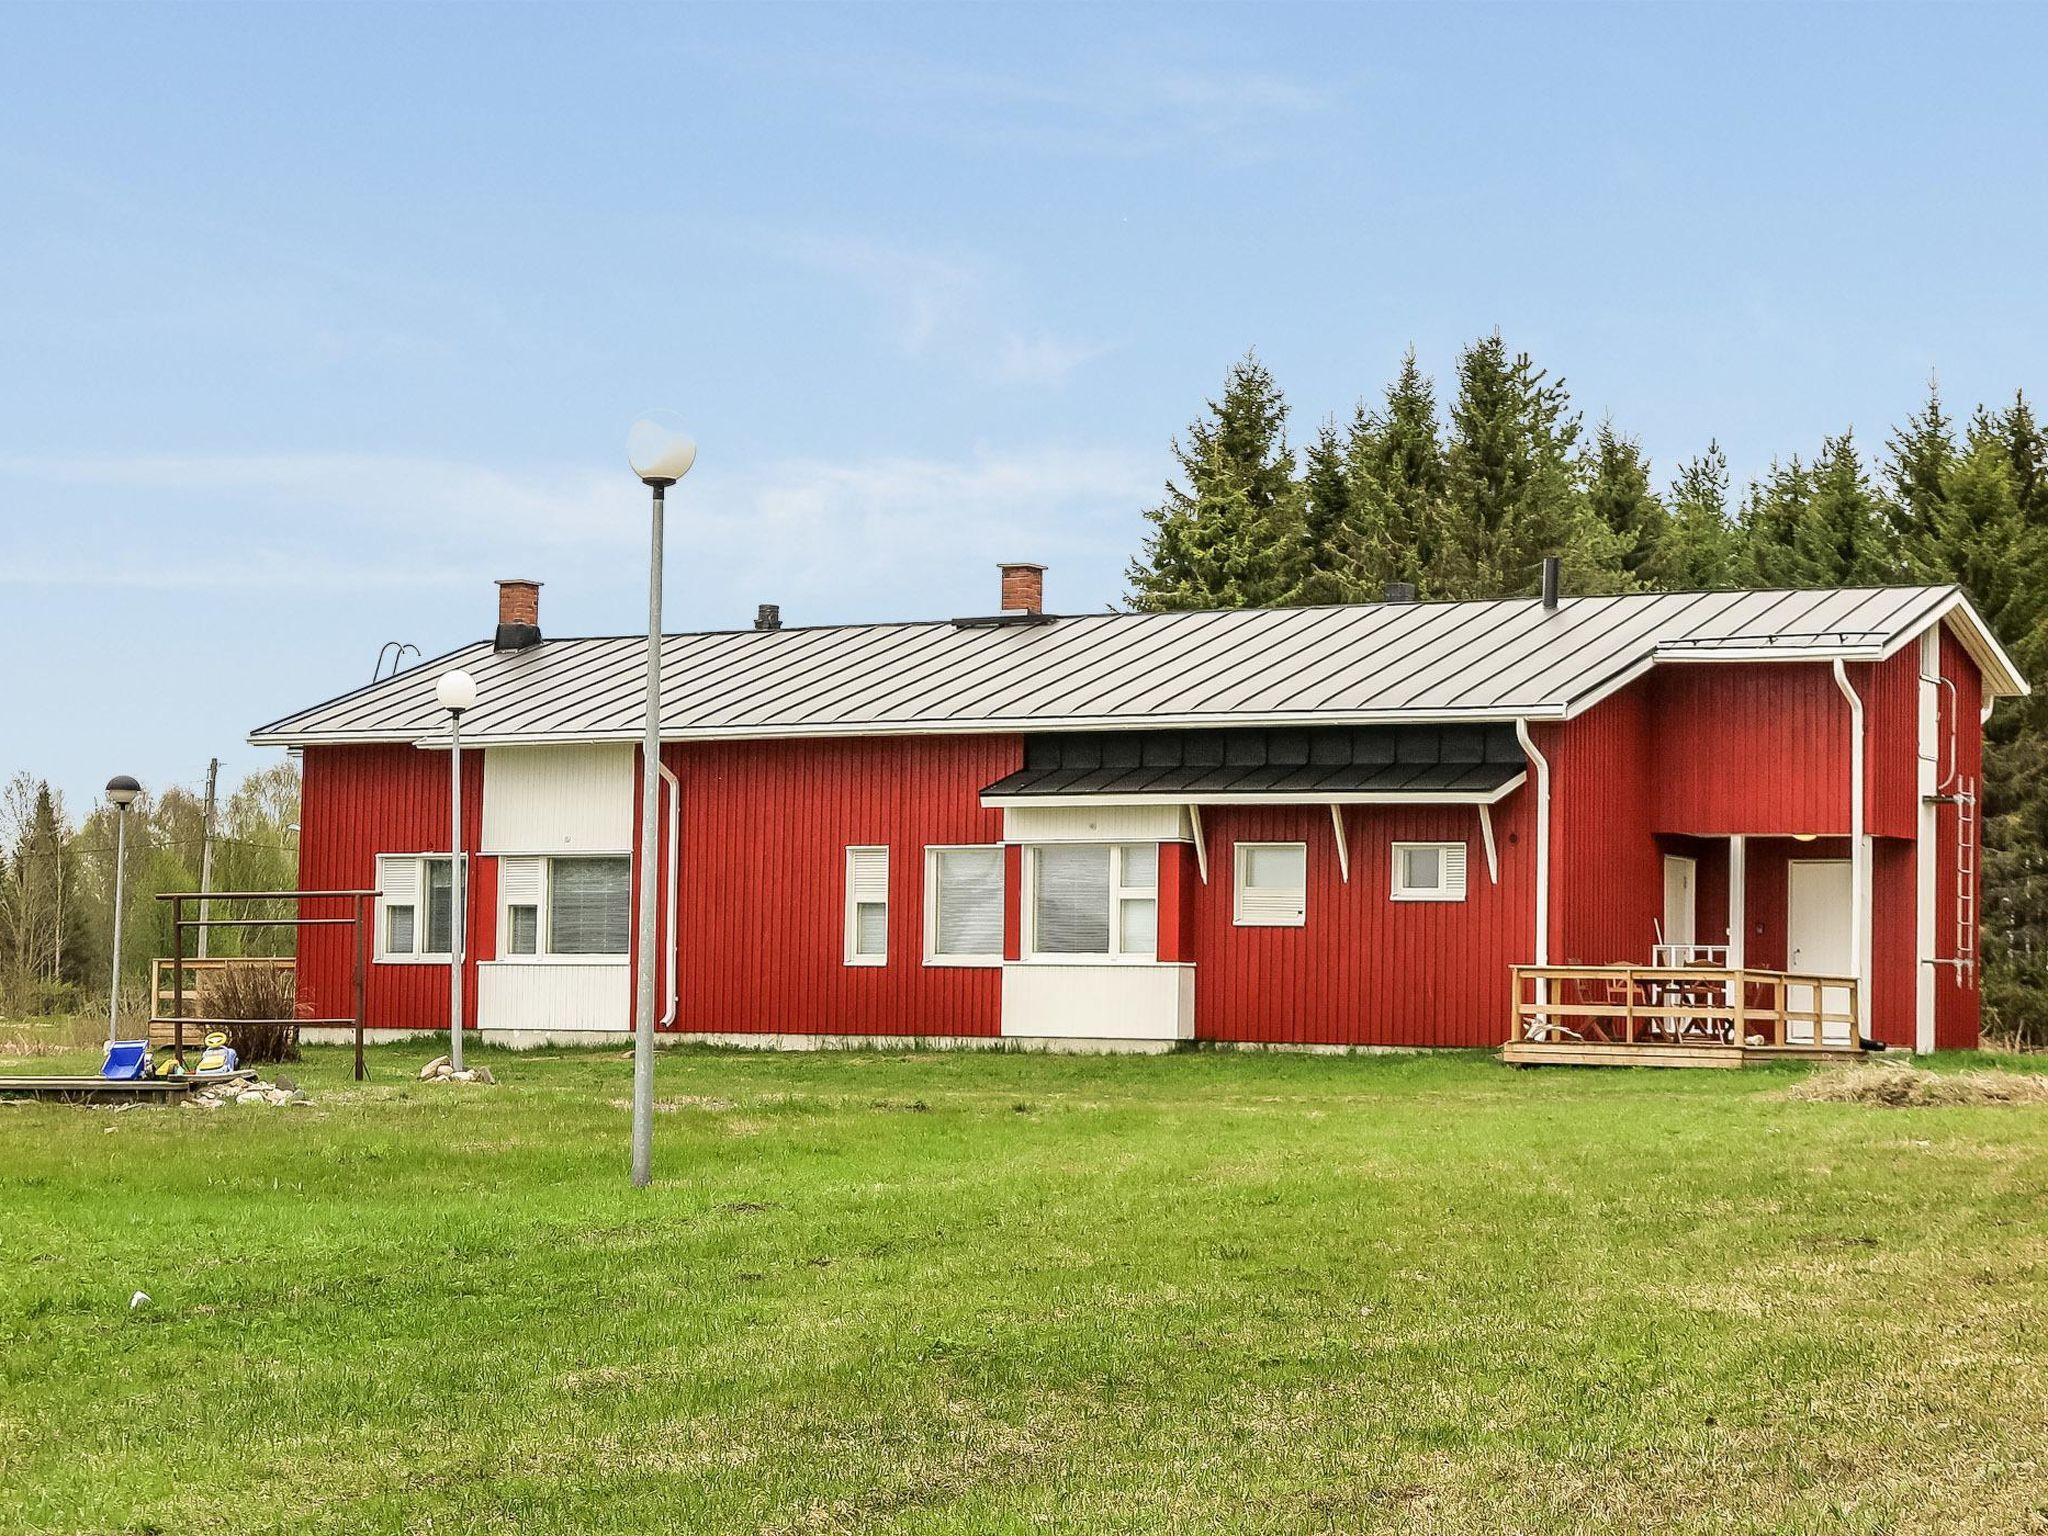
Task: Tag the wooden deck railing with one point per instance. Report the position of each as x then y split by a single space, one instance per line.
1694 1005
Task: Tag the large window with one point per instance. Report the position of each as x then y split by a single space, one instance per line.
1271 885
963 906
573 907
1429 872
867 906
417 910
1095 899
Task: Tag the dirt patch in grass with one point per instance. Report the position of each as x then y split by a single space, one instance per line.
1903 1087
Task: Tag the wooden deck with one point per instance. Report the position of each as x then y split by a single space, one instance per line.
93 1089
1598 1053
1678 1016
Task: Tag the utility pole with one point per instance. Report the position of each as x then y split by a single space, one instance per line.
206 855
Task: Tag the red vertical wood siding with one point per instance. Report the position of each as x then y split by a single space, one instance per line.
1763 747
1891 751
766 826
1013 902
1606 871
1958 1006
1365 969
1179 888
1754 747
1894 942
358 802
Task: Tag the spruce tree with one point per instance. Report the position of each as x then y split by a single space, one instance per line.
1618 492
1511 492
1335 559
1228 533
1699 550
1398 451
1771 513
1846 538
1919 459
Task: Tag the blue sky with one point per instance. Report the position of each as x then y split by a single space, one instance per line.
313 321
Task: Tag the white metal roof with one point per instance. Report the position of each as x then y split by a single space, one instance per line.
1358 663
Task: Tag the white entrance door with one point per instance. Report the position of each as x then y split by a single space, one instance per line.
1681 911
1820 910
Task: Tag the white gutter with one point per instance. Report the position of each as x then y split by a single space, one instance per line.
675 833
1542 840
1859 856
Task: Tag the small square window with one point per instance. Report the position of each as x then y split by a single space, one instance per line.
1271 885
1429 872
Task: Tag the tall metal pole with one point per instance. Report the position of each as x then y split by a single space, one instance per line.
206 854
650 816
458 908
120 873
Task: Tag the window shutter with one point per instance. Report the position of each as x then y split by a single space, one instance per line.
1454 872
519 881
970 901
1070 912
867 874
398 877
590 906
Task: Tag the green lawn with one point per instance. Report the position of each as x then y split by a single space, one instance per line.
974 1292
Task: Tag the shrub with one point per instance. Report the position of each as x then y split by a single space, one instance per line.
266 997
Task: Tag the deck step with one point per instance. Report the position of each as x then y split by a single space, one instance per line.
1594 1053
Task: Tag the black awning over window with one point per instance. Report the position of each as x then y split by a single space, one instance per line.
1358 759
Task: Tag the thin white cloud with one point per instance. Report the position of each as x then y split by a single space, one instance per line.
828 538
946 308
1118 107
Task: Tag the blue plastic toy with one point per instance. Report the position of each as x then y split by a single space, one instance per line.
126 1060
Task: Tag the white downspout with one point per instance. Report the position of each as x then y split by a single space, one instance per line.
675 833
1542 840
1859 855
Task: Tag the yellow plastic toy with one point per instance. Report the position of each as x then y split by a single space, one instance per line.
218 1056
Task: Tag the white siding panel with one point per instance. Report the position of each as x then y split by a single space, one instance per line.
553 994
1111 1001
1097 824
574 798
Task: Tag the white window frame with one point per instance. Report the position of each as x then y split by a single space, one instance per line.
1447 889
854 902
1239 865
1120 891
541 954
381 952
932 955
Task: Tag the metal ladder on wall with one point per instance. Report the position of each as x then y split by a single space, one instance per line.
1966 879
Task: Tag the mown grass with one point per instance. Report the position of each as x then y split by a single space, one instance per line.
951 1293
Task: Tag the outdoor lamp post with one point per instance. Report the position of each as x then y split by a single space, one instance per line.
121 793
661 453
456 692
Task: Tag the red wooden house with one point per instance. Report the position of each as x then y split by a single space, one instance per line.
1322 826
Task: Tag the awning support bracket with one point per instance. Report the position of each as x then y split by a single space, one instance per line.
1201 843
1492 853
1343 847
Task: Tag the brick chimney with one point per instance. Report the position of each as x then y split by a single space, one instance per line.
1023 587
518 615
